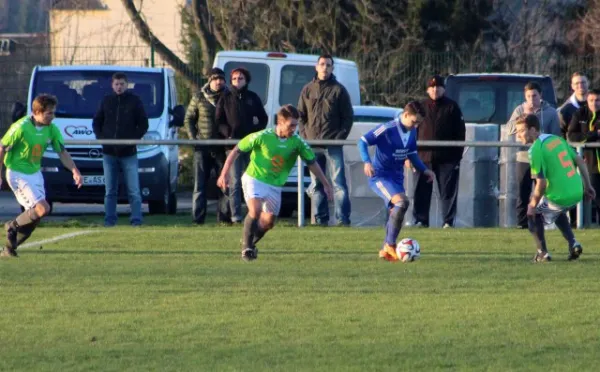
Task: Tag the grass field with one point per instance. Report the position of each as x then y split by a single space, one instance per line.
178 298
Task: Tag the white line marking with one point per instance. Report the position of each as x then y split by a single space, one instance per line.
56 238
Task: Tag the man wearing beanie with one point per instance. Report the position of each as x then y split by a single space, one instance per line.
201 124
443 121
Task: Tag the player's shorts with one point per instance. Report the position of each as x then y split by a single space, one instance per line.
28 188
386 188
270 195
550 211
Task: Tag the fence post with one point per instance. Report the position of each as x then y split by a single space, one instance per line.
301 196
580 205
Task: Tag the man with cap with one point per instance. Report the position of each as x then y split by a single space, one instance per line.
201 124
443 121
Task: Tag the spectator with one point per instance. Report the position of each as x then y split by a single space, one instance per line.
326 113
443 121
239 112
579 85
549 123
201 124
121 116
585 127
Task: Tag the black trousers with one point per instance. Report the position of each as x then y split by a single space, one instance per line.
206 161
525 188
446 175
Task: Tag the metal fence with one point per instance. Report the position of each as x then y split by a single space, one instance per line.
389 79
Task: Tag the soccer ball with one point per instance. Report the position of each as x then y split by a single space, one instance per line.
408 250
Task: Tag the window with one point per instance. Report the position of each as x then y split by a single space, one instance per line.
259 73
293 79
477 102
79 93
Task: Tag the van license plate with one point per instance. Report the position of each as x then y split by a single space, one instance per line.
93 180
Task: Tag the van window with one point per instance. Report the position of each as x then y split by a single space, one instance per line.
79 93
493 100
259 73
293 79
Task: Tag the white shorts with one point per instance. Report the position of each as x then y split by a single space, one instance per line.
549 210
270 195
28 188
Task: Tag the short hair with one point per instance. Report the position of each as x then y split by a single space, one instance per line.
242 71
578 74
533 85
414 108
119 76
43 102
325 55
595 92
288 111
531 121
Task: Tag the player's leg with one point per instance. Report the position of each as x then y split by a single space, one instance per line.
392 193
270 209
250 226
535 225
30 193
563 224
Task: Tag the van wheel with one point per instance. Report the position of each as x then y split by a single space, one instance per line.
172 206
166 206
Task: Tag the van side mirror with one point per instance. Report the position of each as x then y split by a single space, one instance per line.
18 111
178 113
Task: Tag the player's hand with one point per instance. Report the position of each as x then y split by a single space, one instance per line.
408 165
590 193
77 178
328 191
254 120
369 171
531 210
223 181
430 175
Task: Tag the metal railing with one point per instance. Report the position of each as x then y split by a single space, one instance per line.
428 144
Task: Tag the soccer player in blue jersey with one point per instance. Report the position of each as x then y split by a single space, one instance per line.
394 142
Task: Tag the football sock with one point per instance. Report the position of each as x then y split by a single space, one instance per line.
249 230
395 221
563 224
258 234
24 232
26 218
536 227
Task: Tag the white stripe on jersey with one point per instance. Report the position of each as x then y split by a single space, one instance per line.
380 130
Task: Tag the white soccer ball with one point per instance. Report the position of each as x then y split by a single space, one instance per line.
408 250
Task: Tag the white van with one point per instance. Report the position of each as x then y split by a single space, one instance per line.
278 79
79 90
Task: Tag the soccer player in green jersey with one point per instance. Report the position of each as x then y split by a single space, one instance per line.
559 187
273 154
21 149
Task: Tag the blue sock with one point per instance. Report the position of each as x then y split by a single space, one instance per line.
392 228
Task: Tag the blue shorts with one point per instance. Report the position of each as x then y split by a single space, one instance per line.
386 188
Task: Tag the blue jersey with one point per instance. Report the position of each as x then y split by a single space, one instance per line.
393 145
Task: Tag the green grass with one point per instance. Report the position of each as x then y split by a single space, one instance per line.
178 298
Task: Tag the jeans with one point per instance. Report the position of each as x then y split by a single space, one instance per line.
332 159
204 162
129 167
235 186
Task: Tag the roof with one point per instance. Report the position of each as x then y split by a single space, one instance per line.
100 68
288 56
383 111
508 74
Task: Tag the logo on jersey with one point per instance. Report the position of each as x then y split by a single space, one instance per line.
77 131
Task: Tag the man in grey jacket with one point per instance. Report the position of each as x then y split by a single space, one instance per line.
550 124
326 113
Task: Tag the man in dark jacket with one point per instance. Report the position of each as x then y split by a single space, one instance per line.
443 121
121 116
326 113
579 85
201 124
585 127
239 112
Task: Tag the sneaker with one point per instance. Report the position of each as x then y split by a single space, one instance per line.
388 253
575 251
249 254
420 224
447 226
542 257
11 235
8 252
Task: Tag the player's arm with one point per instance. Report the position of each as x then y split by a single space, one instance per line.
67 161
369 139
246 144
537 173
